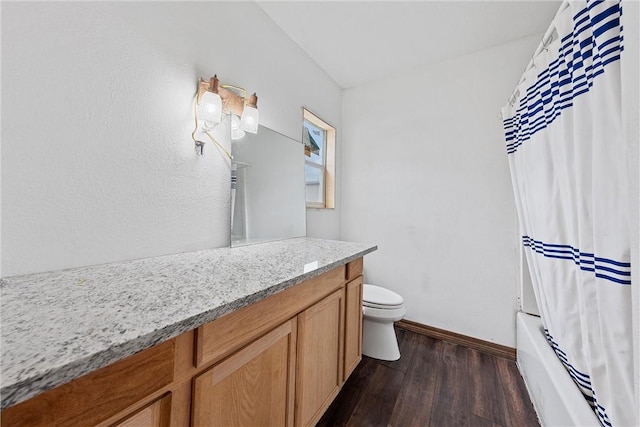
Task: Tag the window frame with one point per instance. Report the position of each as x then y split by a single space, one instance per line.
329 168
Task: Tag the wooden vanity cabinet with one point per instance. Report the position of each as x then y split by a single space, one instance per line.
317 312
278 362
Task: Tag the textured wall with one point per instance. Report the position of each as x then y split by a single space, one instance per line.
97 160
428 181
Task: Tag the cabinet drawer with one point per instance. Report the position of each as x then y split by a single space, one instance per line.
98 395
234 330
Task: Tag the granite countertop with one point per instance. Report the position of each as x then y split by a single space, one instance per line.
57 326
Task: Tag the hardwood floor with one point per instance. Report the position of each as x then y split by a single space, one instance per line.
435 383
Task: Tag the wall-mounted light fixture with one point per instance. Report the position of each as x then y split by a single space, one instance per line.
214 99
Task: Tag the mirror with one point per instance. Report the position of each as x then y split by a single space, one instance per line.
268 201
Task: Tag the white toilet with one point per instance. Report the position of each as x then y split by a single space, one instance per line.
380 308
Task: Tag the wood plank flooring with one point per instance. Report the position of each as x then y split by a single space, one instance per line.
435 383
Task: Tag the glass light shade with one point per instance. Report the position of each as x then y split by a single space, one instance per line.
210 108
236 131
249 120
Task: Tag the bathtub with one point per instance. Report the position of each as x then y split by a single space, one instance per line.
556 398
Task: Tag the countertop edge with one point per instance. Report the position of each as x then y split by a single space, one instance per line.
23 390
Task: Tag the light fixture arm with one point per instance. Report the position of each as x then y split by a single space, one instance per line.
231 102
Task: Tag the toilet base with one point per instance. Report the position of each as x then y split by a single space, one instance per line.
379 340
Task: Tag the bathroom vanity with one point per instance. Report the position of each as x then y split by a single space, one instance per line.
258 335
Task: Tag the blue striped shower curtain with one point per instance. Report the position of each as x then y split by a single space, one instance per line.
567 158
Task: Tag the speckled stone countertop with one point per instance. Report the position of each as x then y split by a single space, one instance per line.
57 326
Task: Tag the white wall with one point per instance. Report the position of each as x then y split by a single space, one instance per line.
97 159
427 179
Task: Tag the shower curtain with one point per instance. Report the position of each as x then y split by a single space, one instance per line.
567 159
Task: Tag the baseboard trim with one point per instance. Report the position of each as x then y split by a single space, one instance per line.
455 338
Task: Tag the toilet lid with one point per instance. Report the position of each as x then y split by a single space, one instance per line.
378 296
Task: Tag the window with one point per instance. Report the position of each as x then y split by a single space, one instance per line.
319 139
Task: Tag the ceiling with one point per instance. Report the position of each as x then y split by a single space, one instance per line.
358 42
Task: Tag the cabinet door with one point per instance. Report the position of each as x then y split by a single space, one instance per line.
353 326
252 387
320 357
156 414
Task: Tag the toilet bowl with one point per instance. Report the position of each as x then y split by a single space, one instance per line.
380 308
